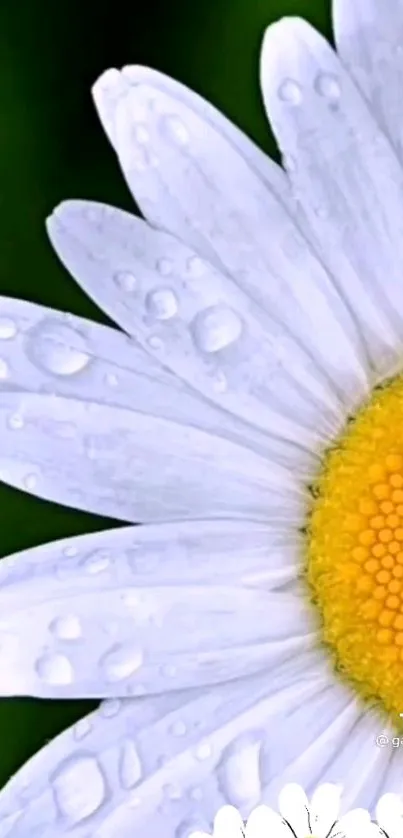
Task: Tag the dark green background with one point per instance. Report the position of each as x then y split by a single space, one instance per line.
51 147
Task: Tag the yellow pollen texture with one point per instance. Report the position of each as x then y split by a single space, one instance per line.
355 550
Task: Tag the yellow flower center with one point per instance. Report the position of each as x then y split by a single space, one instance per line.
355 549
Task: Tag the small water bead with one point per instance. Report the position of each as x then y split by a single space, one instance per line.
155 342
175 129
195 267
57 348
79 788
30 482
141 134
216 328
178 729
111 379
165 267
67 627
15 421
290 91
162 304
130 768
328 86
110 707
70 551
204 751
8 328
55 670
96 563
121 661
126 281
239 771
81 729
4 370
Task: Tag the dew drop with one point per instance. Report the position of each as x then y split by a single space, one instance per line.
141 134
172 792
121 661
79 788
96 563
162 303
55 670
204 751
126 281
215 328
196 793
8 328
30 482
176 129
328 86
178 729
155 342
130 770
57 348
67 627
110 707
195 267
15 421
220 383
290 92
165 267
4 369
70 551
111 379
82 728
239 771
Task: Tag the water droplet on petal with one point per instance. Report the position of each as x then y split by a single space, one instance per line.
70 551
141 134
122 661
4 369
67 627
111 379
82 728
204 751
15 421
110 707
290 92
215 328
162 303
155 342
130 770
55 670
57 348
30 481
176 130
96 563
172 792
239 771
220 383
178 729
165 267
195 266
196 793
328 86
126 281
79 788
8 328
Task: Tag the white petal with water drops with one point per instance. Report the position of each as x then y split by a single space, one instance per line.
347 178
135 628
103 465
216 330
369 38
206 193
132 772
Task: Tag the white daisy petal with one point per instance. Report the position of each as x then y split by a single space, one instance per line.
345 174
324 808
206 330
294 807
264 822
393 778
369 37
228 823
354 823
76 622
113 85
43 350
204 191
164 767
389 814
135 467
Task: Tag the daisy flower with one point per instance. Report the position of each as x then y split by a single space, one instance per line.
249 415
298 818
